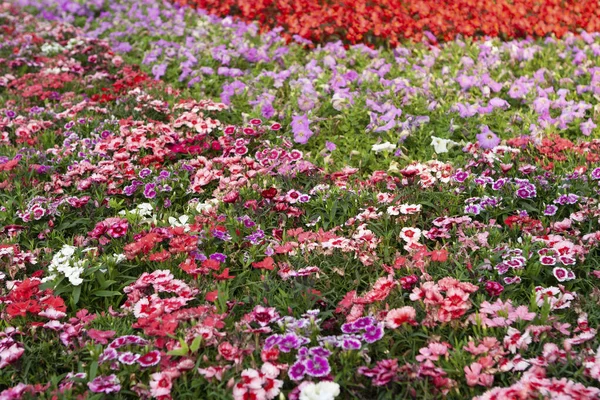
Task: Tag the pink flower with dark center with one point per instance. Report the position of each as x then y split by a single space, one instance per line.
117 227
149 359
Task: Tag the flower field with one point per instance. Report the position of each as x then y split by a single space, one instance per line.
198 206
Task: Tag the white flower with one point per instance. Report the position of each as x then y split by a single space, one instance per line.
181 222
201 207
119 258
441 145
386 146
67 250
323 390
393 210
338 101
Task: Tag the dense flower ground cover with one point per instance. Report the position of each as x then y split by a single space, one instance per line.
241 217
359 21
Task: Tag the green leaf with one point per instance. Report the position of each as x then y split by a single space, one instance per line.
196 344
106 293
76 294
93 369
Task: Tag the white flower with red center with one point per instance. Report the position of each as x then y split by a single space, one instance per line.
400 316
147 306
515 340
384 197
393 210
410 209
410 235
258 384
264 315
557 297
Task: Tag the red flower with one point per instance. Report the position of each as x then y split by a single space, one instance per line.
267 263
439 255
269 193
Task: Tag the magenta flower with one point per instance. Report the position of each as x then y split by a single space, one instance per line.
317 367
105 384
297 371
373 333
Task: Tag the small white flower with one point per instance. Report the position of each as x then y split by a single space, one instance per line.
441 145
338 101
181 222
323 390
386 146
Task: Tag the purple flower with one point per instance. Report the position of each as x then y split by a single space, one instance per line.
297 371
221 235
149 191
596 173
144 172
319 351
123 47
272 341
300 129
587 127
474 209
524 193
105 384
363 323
129 190
10 114
330 146
487 139
288 342
351 344
220 257
108 355
373 333
461 176
317 367
159 70
499 184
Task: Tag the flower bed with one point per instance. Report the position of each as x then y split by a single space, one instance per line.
374 22
416 101
155 243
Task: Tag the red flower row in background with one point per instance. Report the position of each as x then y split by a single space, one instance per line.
369 21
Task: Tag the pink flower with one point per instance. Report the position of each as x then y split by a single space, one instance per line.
10 351
105 384
161 384
399 316
117 227
474 375
100 336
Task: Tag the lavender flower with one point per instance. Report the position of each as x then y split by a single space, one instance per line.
487 139
300 129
